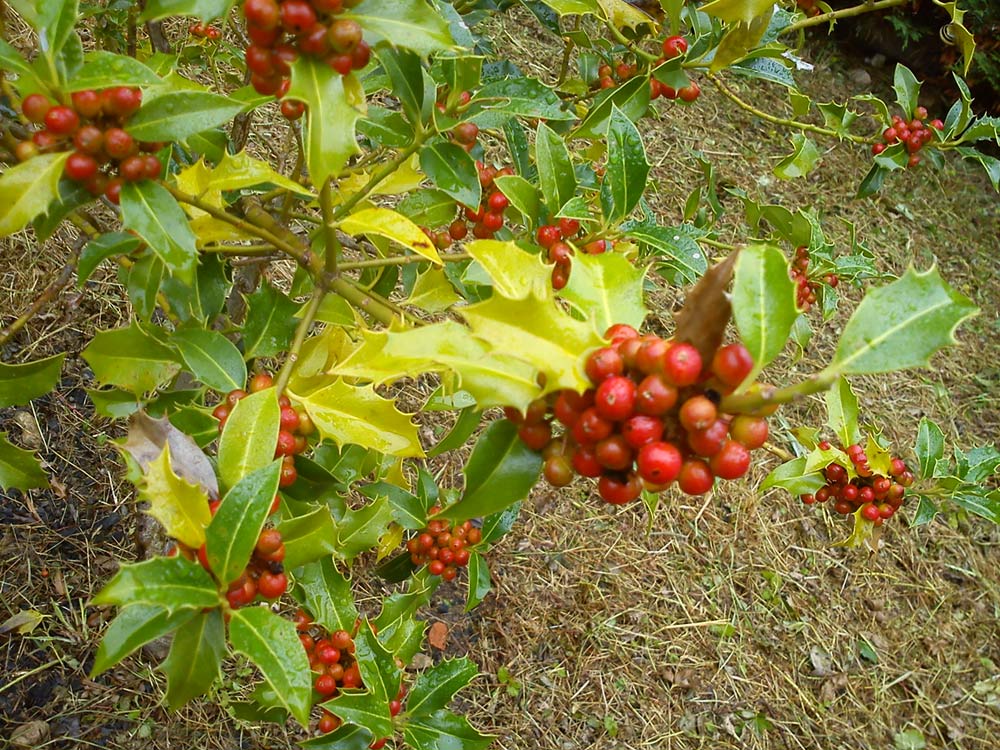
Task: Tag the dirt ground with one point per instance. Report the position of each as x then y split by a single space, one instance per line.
732 621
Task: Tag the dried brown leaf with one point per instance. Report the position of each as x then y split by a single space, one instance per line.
146 438
703 319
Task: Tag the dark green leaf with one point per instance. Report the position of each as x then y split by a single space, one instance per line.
468 422
378 667
500 471
443 729
804 157
192 666
435 687
907 89
345 737
171 582
453 171
206 10
361 529
232 535
212 358
19 384
677 251
763 304
632 98
929 447
555 168
270 322
308 537
105 69
176 115
428 208
153 213
793 477
872 181
408 510
130 359
249 437
497 525
19 469
100 248
327 595
975 500
497 102
72 195
407 76
364 709
479 581
135 626
627 168
842 412
272 643
926 510
144 280
412 24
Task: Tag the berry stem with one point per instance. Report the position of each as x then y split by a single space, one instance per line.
786 122
855 10
743 403
625 41
779 452
333 248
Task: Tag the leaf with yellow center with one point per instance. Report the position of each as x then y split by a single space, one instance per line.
384 222
515 273
182 508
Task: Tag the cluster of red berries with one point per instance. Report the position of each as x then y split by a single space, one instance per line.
443 549
674 46
465 134
487 218
914 135
331 657
651 418
281 30
92 127
264 574
205 31
296 427
610 76
877 497
805 289
553 239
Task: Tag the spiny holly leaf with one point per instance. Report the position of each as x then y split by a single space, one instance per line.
334 103
734 11
378 666
703 319
397 627
627 168
412 24
479 581
19 384
364 709
192 666
432 291
236 526
608 289
842 412
171 582
538 331
361 529
249 437
154 214
175 115
763 304
500 471
130 359
515 273
453 171
493 377
435 687
387 223
901 325
105 69
348 413
212 358
239 172
555 168
27 189
19 469
929 447
623 14
326 593
181 507
270 322
444 729
345 737
272 643
135 626
147 437
308 537
794 477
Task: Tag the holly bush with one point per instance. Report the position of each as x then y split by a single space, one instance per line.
454 222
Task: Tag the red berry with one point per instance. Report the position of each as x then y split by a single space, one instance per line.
558 471
585 462
619 490
568 227
121 101
345 35
133 169
659 462
890 135
535 436
920 113
655 396
870 511
614 453
731 462
493 221
604 363
152 167
615 398
548 235
80 167
689 93
260 382
649 356
640 429
289 474
748 430
591 427
62 120
297 15
286 444
877 148
328 722
674 46
467 132
87 103
289 419
118 144
732 363
113 190
498 202
325 685
709 441
620 332
697 413
682 365
25 150
361 55
436 567
695 477
35 107
458 230
264 14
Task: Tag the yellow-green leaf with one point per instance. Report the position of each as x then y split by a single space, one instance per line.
182 508
608 289
348 413
515 273
733 11
27 190
432 291
622 14
385 222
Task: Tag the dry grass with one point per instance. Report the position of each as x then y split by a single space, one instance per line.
733 622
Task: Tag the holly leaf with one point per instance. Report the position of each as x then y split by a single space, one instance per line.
444 729
334 104
130 359
181 507
493 377
500 471
135 626
555 168
733 11
175 115
479 581
453 171
345 737
248 439
19 469
795 477
212 358
192 666
436 686
627 168
361 529
387 223
171 582
540 333
364 709
377 664
102 70
308 537
147 438
19 384
842 412
232 535
515 273
272 643
326 593
99 249
27 189
608 289
804 157
412 24
348 413
763 304
239 172
678 252
270 322
901 325
154 214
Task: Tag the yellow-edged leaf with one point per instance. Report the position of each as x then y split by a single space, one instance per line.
182 508
405 179
27 190
621 14
385 222
433 292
